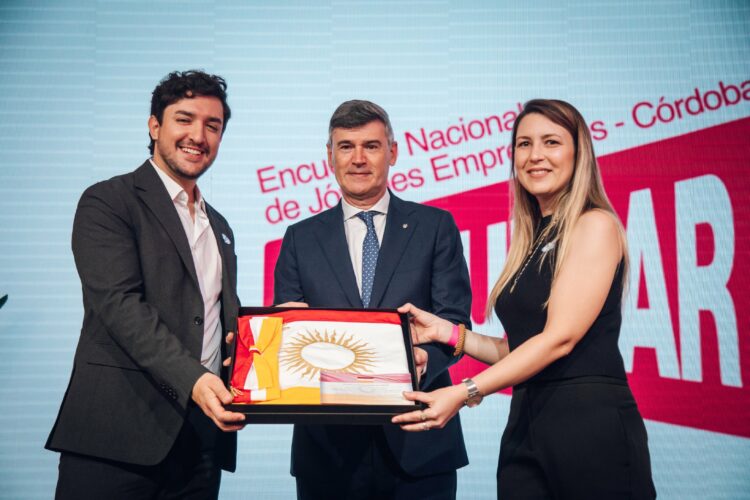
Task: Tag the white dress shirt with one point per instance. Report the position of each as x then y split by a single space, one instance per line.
356 230
207 261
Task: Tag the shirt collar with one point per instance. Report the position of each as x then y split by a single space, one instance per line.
381 206
176 193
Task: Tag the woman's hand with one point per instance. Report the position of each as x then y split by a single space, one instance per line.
426 327
442 404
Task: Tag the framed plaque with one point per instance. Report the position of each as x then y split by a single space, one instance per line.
321 366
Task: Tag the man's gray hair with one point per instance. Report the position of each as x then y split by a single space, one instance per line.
358 113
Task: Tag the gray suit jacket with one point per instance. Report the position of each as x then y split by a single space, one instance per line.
138 355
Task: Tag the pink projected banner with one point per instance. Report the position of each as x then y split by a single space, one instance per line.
686 326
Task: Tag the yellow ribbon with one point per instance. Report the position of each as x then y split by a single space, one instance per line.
265 353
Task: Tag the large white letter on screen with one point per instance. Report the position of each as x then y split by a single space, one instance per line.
650 327
704 288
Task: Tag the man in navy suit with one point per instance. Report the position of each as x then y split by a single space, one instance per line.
142 416
376 250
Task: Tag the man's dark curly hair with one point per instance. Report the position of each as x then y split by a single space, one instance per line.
186 85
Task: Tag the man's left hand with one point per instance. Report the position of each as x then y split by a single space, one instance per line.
228 339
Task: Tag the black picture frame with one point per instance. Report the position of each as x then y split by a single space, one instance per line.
317 414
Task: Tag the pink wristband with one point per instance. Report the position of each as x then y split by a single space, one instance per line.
454 336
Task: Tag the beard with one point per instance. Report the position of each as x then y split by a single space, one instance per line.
190 171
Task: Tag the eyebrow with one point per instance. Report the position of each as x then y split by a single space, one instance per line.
212 119
345 142
545 136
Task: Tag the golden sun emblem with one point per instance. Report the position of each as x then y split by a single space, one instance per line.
309 352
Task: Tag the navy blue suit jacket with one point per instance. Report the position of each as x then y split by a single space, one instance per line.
420 261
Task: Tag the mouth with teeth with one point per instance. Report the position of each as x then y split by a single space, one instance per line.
538 172
192 151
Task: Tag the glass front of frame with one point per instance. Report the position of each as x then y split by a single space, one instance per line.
300 365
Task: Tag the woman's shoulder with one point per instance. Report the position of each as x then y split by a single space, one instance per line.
599 220
598 227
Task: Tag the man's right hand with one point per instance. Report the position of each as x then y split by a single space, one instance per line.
420 360
209 393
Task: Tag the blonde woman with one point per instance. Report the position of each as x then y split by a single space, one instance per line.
574 429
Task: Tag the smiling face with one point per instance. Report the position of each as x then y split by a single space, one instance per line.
187 140
544 154
361 159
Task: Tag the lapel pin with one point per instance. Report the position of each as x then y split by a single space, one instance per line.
226 239
405 226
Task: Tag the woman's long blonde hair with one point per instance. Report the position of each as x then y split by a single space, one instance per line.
584 192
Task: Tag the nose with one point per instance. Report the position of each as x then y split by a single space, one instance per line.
358 158
197 132
536 153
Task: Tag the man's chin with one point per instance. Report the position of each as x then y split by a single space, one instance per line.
188 174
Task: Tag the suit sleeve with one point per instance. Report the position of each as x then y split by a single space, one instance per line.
107 259
287 286
450 294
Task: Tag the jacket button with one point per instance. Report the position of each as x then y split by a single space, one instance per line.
198 321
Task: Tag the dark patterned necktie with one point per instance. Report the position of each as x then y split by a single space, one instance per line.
370 248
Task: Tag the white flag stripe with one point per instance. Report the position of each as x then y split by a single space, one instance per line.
373 348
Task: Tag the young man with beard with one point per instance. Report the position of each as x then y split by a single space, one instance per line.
142 416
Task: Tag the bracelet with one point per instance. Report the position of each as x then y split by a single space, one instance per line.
461 339
454 337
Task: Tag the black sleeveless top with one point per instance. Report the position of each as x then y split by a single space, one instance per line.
523 315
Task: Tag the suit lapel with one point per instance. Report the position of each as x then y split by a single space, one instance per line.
332 239
153 193
229 300
399 227
225 245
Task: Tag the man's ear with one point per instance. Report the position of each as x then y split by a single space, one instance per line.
153 127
